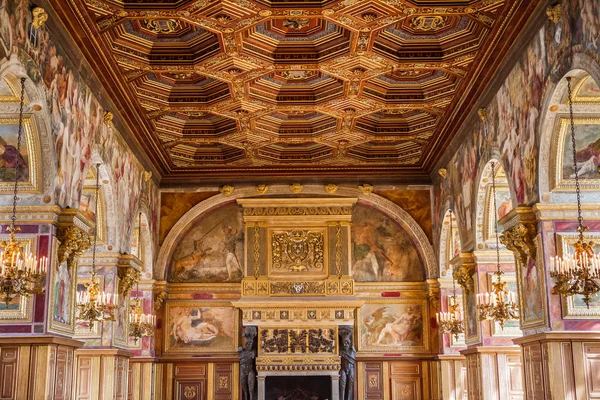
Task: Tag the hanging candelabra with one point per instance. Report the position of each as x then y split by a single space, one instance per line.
140 324
500 305
94 305
20 272
578 272
451 321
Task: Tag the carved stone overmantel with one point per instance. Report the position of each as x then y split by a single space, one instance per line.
73 233
520 230
463 267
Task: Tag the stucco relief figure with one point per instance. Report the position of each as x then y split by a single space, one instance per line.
247 364
348 361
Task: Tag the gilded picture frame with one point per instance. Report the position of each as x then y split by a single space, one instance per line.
55 326
30 142
121 315
489 223
562 145
472 332
373 336
82 329
542 321
511 327
181 338
573 307
19 308
100 219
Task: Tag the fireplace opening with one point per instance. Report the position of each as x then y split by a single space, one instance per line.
298 388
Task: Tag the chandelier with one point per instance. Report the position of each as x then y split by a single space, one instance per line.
451 321
94 305
500 305
578 271
140 324
21 274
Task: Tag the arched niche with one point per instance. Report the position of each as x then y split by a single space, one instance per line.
556 179
485 220
393 211
141 242
449 244
37 143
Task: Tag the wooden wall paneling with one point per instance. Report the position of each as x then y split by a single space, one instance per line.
373 376
121 377
591 353
488 372
435 388
407 380
512 369
8 372
84 377
190 381
473 377
453 378
223 383
63 373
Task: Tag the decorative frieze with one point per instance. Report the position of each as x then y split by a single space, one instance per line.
331 286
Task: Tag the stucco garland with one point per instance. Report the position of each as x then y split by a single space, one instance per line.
392 210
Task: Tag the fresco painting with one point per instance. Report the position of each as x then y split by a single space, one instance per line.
77 119
10 158
587 146
212 249
382 250
389 326
197 328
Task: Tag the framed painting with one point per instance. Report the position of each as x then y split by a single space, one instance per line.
587 142
573 306
387 326
82 328
62 295
18 309
87 206
200 327
121 323
511 327
471 319
26 159
531 283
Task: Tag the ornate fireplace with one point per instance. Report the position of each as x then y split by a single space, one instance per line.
297 293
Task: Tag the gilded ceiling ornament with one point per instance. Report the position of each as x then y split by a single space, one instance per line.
265 13
226 190
40 16
443 172
331 188
108 117
428 22
262 189
366 188
369 16
553 13
296 75
223 18
296 188
162 25
296 23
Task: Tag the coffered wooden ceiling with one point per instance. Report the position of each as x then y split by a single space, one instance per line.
241 88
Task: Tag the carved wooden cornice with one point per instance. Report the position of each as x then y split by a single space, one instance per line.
463 270
520 230
73 235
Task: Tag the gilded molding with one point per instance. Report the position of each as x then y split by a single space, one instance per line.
296 188
284 211
331 286
463 271
128 274
262 189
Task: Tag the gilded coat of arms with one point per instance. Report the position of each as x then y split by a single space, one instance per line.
298 251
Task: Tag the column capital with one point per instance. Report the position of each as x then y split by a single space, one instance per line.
520 230
73 235
463 267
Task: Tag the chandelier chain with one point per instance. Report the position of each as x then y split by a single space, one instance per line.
96 225
580 228
452 255
13 218
495 215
